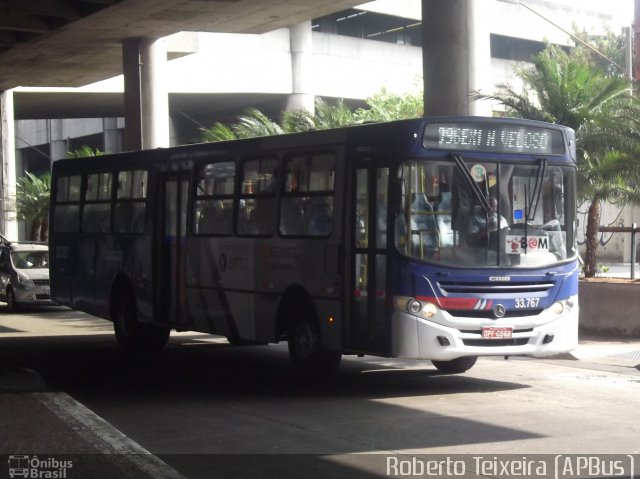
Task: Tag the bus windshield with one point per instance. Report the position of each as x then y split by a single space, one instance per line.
462 212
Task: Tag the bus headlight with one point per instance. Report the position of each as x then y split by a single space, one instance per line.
415 307
558 308
429 310
561 307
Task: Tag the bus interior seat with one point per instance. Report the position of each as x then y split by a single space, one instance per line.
424 229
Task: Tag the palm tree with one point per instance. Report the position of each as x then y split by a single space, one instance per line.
382 106
325 116
563 89
84 151
32 203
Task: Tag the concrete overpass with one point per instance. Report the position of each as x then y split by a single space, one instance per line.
70 43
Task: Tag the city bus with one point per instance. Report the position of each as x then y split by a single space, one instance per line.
441 239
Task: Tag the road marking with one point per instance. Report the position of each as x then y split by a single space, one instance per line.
104 437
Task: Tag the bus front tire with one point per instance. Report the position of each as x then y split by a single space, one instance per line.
308 357
132 335
456 366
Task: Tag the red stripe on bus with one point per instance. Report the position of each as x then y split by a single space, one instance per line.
451 303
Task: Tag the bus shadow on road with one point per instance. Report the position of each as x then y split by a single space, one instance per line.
231 391
194 366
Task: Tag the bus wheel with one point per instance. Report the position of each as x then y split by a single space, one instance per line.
131 335
455 366
306 353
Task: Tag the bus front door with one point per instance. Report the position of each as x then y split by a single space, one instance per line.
369 327
171 291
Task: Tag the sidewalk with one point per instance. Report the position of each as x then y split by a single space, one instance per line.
59 433
602 349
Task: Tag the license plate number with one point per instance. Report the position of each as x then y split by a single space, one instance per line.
491 332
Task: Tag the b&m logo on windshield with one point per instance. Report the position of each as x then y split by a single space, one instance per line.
523 244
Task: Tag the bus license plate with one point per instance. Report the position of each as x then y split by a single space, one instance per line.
491 332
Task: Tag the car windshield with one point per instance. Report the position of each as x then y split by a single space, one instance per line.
30 259
484 213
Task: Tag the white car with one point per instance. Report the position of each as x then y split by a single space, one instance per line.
24 274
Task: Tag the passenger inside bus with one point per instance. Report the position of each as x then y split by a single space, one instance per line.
318 217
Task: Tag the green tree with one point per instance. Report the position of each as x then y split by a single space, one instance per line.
568 89
32 204
387 106
382 106
84 151
325 116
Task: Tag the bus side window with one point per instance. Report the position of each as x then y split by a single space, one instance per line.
66 217
96 214
307 202
319 214
256 212
130 209
213 207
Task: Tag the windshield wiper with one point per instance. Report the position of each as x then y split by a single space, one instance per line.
537 190
484 201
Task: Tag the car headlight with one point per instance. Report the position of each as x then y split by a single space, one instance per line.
25 281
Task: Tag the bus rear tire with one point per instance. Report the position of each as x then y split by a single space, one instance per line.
132 335
456 366
308 357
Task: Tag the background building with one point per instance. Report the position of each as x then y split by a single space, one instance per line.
349 55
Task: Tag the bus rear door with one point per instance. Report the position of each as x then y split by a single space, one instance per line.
369 328
170 282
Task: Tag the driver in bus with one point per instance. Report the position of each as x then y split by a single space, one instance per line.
483 226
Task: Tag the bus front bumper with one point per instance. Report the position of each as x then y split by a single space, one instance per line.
546 335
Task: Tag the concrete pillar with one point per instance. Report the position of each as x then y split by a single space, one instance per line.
300 38
456 53
58 145
146 97
8 219
112 136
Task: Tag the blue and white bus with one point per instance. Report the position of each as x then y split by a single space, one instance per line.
441 238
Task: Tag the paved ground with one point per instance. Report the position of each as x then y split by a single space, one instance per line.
37 420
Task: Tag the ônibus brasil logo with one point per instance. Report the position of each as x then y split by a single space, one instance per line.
36 468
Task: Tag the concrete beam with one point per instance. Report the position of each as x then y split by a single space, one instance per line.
456 56
145 96
301 44
8 220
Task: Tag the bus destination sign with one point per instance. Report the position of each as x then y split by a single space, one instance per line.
493 138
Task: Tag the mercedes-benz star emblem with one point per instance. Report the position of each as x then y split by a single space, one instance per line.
499 311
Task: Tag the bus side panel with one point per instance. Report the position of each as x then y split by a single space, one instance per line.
83 283
125 257
235 285
208 301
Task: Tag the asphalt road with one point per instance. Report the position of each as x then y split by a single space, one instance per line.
202 408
